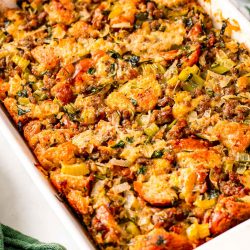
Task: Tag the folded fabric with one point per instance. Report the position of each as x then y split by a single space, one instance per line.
11 239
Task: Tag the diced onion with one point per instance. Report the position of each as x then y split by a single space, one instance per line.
122 163
121 188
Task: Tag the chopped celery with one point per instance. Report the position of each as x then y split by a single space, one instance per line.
190 78
119 144
223 60
243 157
242 162
20 62
77 169
143 120
159 68
132 228
185 73
23 101
172 81
172 124
40 95
69 108
198 80
241 169
195 82
2 37
152 68
219 69
151 130
37 85
25 74
189 86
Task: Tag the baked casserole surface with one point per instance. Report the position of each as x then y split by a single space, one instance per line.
138 113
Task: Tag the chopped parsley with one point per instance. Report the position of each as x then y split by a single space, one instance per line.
130 139
22 93
21 111
133 101
114 54
134 60
142 170
119 144
91 71
157 154
160 240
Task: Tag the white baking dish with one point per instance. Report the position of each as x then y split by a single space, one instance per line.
28 160
235 238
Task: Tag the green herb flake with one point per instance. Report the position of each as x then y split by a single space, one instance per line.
157 154
114 54
133 101
134 60
188 22
91 71
100 177
172 124
113 69
95 89
223 27
130 139
142 170
119 144
160 241
22 93
106 12
142 16
21 111
213 194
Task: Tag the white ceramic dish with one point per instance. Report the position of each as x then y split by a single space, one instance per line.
235 238
28 160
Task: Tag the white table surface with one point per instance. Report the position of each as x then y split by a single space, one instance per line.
23 207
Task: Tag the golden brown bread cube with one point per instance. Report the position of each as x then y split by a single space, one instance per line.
156 191
52 157
64 183
78 201
159 239
11 105
105 226
228 212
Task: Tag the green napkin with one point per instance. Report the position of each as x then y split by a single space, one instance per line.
11 239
